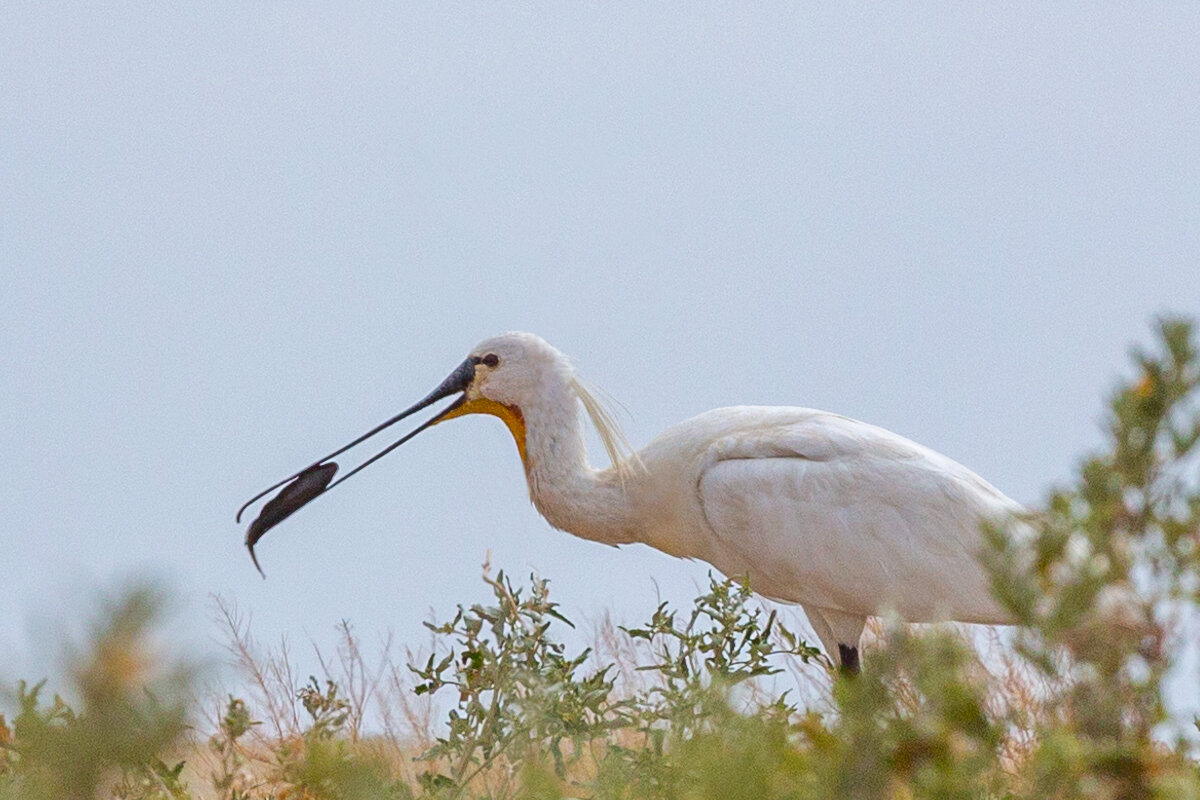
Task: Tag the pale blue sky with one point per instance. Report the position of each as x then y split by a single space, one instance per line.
235 235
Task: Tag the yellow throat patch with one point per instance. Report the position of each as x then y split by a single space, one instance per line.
511 415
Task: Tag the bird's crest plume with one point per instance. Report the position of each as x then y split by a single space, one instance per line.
624 458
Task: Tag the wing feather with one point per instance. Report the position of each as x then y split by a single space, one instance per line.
859 518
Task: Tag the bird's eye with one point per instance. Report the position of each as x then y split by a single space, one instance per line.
491 360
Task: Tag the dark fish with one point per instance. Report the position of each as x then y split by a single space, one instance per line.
291 498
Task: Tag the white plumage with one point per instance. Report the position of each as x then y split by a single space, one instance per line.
842 517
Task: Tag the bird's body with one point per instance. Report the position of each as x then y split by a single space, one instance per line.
842 517
820 509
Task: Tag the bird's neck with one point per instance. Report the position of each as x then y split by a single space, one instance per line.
569 493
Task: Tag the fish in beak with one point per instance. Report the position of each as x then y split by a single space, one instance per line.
291 498
314 480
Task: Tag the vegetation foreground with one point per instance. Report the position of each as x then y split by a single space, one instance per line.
718 701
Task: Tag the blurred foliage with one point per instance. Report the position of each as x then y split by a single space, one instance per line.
324 764
131 712
1103 581
235 723
1103 586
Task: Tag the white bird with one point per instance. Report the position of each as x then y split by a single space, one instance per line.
841 517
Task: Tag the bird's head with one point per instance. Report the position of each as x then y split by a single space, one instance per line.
505 375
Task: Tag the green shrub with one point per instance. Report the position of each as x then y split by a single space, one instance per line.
132 713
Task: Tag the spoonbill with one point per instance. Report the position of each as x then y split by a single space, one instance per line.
841 517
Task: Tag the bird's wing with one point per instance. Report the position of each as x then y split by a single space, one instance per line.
842 515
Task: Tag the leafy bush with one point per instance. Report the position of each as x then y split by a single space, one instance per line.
132 710
1103 581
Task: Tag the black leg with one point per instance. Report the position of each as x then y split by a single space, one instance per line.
849 658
